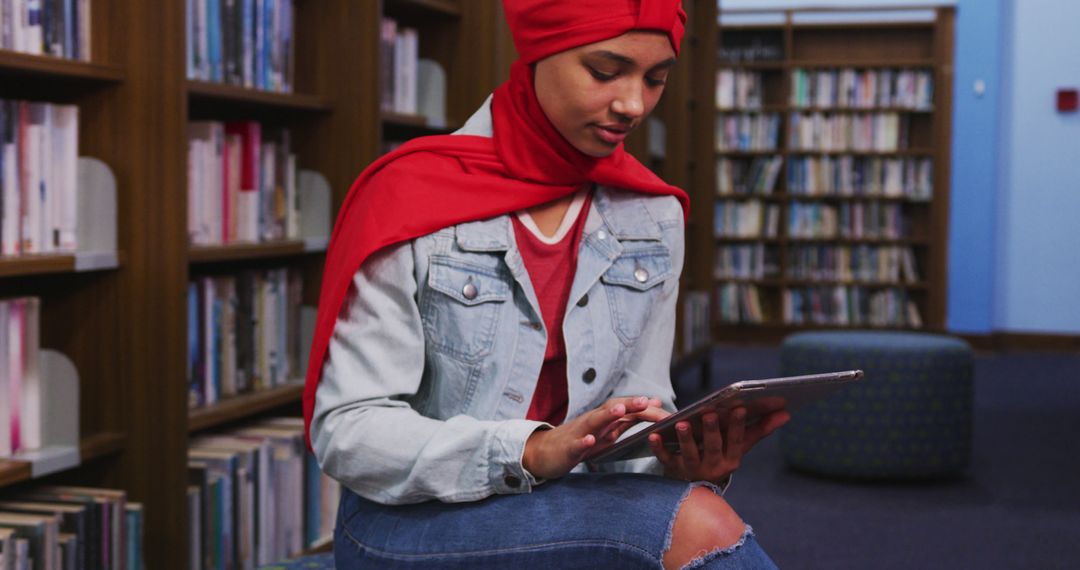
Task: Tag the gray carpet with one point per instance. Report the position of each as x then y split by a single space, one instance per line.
1018 507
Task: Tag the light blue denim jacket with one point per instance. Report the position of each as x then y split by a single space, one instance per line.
435 355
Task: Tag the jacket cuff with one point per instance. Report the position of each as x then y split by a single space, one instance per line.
505 469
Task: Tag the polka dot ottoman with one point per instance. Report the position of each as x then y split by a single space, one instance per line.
909 418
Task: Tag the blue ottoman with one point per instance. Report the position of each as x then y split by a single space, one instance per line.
909 418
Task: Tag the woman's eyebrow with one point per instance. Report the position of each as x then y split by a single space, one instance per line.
620 58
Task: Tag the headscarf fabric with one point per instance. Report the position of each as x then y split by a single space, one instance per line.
434 182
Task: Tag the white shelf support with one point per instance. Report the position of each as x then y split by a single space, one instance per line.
97 217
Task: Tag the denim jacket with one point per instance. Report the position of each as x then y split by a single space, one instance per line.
436 353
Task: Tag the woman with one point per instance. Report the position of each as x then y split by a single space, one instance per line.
499 301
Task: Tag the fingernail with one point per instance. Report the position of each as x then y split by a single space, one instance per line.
682 427
641 401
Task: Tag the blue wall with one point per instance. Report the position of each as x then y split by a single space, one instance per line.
1038 277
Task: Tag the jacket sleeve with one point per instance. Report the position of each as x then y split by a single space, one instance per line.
364 432
648 371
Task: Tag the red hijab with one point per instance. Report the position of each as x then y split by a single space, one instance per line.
434 182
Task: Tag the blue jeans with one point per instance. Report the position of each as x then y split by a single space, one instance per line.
588 521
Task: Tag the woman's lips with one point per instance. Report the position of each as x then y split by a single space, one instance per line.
610 135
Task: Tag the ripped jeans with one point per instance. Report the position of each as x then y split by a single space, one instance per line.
587 521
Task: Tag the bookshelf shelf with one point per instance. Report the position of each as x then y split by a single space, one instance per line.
240 407
91 447
205 94
250 251
27 265
398 126
22 64
420 9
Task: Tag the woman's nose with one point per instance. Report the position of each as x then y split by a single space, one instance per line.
629 102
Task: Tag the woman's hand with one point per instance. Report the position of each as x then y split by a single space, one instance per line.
720 453
554 452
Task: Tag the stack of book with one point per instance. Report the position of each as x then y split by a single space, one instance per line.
850 88
859 176
399 54
70 528
243 333
38 177
60 28
256 496
242 184
21 421
248 43
740 132
846 132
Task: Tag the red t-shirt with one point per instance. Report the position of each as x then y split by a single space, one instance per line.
551 269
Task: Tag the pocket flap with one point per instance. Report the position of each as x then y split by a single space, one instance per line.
640 269
467 283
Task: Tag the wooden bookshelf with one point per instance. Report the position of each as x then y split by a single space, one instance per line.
126 330
921 45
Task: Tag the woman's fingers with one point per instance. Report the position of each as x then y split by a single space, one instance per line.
669 460
688 448
712 440
735 433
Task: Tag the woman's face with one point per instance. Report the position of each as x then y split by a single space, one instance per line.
597 93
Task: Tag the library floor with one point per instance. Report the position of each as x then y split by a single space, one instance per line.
1019 506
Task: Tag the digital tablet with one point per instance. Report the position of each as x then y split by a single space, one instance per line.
759 397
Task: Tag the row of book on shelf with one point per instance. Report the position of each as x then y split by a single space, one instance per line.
743 219
847 88
242 183
864 132
21 422
247 43
859 220
832 263
60 28
256 496
813 132
850 176
38 177
696 321
399 53
865 88
244 333
845 306
70 528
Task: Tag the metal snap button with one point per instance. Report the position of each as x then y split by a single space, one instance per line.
589 375
641 275
601 235
583 301
469 291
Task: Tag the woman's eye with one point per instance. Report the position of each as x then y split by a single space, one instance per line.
600 76
654 82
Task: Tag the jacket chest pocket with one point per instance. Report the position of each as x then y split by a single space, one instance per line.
633 282
460 309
